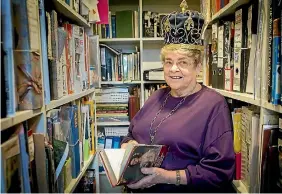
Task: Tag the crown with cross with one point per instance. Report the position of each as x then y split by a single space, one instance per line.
184 28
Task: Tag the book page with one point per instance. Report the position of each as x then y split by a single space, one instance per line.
115 157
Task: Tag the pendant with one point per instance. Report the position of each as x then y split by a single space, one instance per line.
152 139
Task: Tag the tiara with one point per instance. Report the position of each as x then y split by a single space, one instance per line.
183 29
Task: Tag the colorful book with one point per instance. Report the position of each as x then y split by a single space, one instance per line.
27 57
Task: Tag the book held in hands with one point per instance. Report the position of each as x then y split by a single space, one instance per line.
123 166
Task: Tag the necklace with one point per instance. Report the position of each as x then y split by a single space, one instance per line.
154 132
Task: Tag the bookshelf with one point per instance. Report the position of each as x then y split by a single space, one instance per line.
74 182
37 118
248 98
63 8
113 124
259 98
228 9
19 117
66 99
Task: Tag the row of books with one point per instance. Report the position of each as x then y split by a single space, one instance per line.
119 66
110 138
119 104
39 162
122 24
71 135
125 24
87 183
151 88
66 66
211 7
20 53
230 53
68 56
247 140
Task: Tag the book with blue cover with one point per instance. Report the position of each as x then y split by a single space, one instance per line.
8 56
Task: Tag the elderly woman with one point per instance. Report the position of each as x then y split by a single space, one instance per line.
193 120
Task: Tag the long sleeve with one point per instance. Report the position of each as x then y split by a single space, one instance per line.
129 135
131 126
217 165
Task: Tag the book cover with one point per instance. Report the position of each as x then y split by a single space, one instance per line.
27 57
44 51
10 166
124 24
123 166
7 58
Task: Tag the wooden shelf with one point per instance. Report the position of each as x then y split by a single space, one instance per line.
229 9
159 40
155 82
19 117
112 123
239 186
120 82
64 9
67 99
74 182
239 96
267 105
119 40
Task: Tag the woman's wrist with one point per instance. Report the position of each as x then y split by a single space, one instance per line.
171 177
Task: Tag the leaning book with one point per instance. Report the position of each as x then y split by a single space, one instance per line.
123 166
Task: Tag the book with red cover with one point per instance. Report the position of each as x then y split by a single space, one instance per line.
123 166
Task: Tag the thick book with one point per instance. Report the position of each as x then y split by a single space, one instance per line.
123 166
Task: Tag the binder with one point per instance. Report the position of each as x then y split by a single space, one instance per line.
220 64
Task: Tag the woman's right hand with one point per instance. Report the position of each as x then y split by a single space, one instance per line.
124 145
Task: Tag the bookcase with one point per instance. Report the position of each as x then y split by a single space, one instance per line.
26 129
258 70
265 115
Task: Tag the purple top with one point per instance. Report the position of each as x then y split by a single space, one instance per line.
199 134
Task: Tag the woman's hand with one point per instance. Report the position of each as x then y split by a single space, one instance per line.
123 146
154 176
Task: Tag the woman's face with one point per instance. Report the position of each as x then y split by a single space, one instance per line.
179 70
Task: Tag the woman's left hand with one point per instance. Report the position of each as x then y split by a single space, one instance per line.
154 176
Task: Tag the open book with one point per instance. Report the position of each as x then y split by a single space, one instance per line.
123 166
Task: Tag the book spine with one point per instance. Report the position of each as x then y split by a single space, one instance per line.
8 58
56 79
69 72
269 67
44 52
62 36
103 64
276 93
237 50
24 161
113 18
280 51
74 147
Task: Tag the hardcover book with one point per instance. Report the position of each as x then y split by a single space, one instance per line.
123 166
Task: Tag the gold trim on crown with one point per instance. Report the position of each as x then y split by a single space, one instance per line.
185 46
